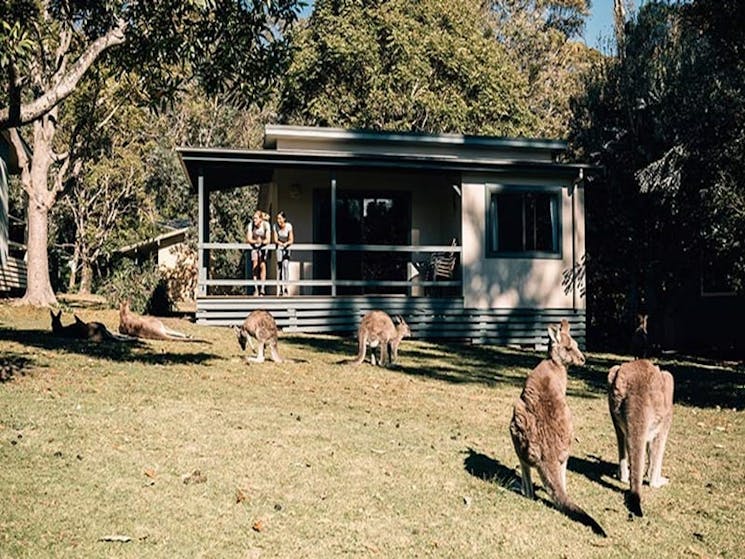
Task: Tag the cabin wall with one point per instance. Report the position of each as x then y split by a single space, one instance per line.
519 283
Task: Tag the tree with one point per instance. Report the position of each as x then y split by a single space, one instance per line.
111 136
665 119
47 48
540 37
430 66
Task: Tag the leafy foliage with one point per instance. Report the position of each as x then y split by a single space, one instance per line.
539 37
142 285
429 66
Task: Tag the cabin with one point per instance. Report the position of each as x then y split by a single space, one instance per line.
474 238
13 271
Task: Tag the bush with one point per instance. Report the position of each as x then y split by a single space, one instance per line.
142 285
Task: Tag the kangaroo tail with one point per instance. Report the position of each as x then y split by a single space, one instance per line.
175 333
552 480
576 513
361 353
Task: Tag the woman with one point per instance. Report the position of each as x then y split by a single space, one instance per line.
258 238
283 238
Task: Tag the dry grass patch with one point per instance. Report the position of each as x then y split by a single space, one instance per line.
186 451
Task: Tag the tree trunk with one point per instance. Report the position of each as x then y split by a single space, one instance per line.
86 276
73 270
38 288
35 177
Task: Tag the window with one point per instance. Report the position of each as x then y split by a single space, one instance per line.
523 223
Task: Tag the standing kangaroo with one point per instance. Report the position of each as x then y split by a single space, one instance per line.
541 425
146 326
378 329
81 330
640 398
261 326
640 338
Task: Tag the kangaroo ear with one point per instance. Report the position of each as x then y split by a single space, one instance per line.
553 334
564 326
77 319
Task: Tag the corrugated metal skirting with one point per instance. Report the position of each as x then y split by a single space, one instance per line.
428 317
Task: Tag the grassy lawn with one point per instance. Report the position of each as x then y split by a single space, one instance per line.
320 459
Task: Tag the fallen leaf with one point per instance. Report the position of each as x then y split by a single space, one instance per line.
258 526
149 472
240 495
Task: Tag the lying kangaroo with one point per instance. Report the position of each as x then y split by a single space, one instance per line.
261 326
378 329
541 425
640 338
146 326
640 398
81 330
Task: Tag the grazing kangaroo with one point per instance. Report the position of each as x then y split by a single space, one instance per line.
640 338
541 425
81 330
261 326
640 398
146 326
378 329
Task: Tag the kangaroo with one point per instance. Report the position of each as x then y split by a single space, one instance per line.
640 338
146 326
261 326
378 329
640 398
81 330
541 425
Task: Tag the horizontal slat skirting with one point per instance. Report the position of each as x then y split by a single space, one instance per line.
436 317
13 275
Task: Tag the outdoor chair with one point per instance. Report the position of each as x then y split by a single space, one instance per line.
442 265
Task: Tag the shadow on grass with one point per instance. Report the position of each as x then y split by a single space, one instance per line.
488 469
130 351
698 382
12 366
595 469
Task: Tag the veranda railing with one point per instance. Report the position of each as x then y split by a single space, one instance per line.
423 259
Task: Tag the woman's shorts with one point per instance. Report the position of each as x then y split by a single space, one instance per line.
259 254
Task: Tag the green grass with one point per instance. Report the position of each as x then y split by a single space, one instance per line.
331 460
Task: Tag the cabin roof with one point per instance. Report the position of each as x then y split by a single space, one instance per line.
154 243
224 168
274 133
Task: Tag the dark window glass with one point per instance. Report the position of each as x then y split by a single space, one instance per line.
524 222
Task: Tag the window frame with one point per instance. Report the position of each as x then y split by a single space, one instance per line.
556 196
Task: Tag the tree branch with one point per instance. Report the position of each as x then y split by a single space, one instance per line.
67 83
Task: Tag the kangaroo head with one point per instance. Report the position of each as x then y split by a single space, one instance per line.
242 336
56 320
641 322
124 307
401 327
563 349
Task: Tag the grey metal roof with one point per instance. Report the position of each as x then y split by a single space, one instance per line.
273 132
227 168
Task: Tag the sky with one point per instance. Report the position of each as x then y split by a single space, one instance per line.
598 29
599 26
